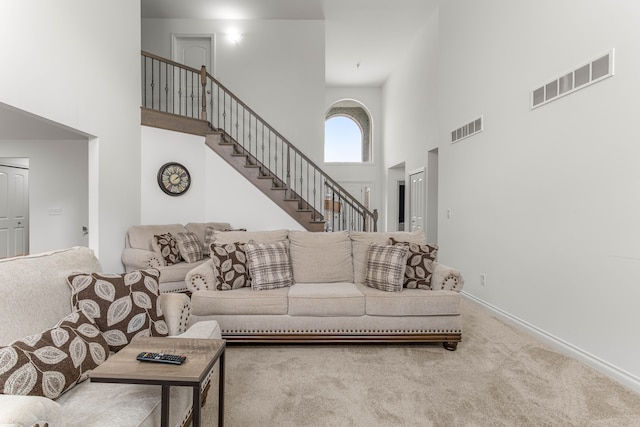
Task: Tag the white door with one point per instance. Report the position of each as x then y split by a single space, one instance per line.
14 211
194 52
416 200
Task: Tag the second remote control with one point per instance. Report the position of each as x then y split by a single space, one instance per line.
173 359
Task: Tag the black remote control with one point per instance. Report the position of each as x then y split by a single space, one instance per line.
173 359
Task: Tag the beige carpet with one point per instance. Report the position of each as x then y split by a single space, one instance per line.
499 376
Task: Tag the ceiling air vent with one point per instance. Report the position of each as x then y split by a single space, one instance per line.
467 130
583 76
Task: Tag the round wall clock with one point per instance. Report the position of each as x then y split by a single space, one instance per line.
174 179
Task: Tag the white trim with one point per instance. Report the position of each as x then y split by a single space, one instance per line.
621 376
415 171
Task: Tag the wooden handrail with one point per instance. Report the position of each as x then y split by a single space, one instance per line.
204 79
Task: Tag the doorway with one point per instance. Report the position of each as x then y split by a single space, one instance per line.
417 199
14 207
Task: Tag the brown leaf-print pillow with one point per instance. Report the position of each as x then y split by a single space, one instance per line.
124 306
419 264
53 361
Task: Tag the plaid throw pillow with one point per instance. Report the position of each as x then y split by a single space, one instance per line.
269 265
166 246
386 265
189 246
230 263
419 264
53 361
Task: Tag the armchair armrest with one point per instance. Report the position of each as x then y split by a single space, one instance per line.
201 277
447 278
176 309
28 411
135 259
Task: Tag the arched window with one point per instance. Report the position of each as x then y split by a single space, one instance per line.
347 135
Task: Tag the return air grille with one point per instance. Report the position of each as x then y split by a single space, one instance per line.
467 130
588 74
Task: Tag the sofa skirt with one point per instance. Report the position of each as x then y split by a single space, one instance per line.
286 328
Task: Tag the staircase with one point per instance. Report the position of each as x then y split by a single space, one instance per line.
183 99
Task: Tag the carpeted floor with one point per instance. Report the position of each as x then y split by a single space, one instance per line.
499 376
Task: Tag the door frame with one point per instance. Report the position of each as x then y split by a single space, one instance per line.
409 200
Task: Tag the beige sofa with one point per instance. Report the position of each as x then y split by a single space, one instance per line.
329 300
139 252
35 297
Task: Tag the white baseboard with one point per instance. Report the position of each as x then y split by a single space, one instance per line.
612 371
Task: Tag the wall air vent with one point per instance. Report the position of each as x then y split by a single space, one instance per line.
467 130
583 76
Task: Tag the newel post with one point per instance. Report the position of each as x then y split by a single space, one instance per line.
203 82
375 220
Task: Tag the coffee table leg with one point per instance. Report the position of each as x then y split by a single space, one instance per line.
221 391
164 417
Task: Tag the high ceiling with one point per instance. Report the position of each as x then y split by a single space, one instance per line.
372 33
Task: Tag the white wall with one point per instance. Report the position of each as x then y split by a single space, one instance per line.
77 63
277 70
410 112
371 98
58 179
217 193
544 202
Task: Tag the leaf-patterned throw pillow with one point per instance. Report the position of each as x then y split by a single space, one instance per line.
419 264
124 306
53 361
167 247
230 264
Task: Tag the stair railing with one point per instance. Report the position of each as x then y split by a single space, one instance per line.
174 88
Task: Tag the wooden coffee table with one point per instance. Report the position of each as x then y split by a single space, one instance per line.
202 354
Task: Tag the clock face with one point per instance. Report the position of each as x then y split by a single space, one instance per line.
174 179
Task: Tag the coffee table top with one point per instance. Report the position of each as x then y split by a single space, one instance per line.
122 367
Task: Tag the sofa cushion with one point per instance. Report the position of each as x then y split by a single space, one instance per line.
269 236
419 264
230 266
200 229
38 284
124 306
141 236
410 302
189 246
321 257
326 299
269 265
243 301
53 361
166 245
385 267
360 241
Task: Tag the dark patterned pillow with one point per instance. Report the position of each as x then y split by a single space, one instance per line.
386 265
124 306
189 246
269 265
53 361
166 246
230 264
419 264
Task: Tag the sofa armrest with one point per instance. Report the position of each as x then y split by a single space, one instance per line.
27 411
205 329
176 309
201 278
447 278
136 259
